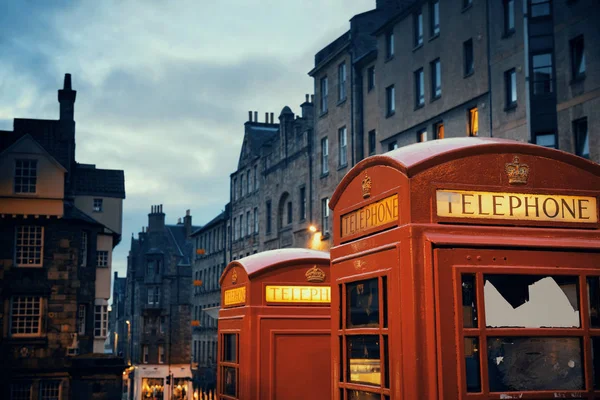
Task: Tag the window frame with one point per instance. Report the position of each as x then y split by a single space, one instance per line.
21 390
342 76
372 144
255 220
324 91
22 249
81 319
434 20
324 155
470 128
101 318
434 67
540 3
576 125
389 45
418 31
551 80
390 101
223 364
43 386
303 203
84 249
436 130
102 259
19 303
161 353
509 85
268 218
29 181
342 146
575 44
370 78
419 77
325 213
468 58
509 14
98 205
422 135
538 134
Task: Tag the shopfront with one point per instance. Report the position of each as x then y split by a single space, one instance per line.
467 269
274 327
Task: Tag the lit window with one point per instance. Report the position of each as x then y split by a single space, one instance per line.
439 130
390 95
418 29
510 82
324 155
81 319
50 390
26 316
343 146
101 258
100 320
29 246
324 93
20 391
582 140
436 79
97 205
473 124
325 214
342 82
434 12
25 176
419 88
577 58
542 74
422 135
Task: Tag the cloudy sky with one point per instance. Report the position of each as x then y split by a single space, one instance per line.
163 87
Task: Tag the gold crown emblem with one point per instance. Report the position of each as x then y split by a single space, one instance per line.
366 186
315 275
234 277
517 172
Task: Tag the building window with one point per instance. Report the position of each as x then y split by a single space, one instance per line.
162 324
372 142
371 78
25 176
510 83
81 319
234 189
577 58
390 95
248 231
324 93
26 316
324 155
302 203
154 295
234 229
256 177
145 354
268 217
540 8
150 267
422 135
248 183
255 219
546 139
419 88
161 353
29 246
97 205
342 82
582 140
242 227
436 79
468 57
289 212
101 258
418 29
20 391
50 390
243 184
542 73
509 17
438 129
325 215
392 145
84 249
473 122
343 146
389 45
100 320
434 13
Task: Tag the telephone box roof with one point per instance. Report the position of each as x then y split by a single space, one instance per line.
418 157
260 262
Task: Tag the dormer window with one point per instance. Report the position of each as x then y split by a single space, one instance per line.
98 205
25 176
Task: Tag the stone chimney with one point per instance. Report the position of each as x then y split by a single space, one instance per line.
249 116
307 108
187 222
66 98
156 219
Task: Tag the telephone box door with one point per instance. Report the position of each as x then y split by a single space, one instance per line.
523 322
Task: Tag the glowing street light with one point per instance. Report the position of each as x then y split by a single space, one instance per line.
312 228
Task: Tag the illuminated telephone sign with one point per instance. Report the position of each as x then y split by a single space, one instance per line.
516 206
297 294
235 296
370 216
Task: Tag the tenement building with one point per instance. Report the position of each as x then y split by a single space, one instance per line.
117 328
210 258
512 69
158 308
59 223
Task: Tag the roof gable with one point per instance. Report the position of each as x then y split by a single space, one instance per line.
28 145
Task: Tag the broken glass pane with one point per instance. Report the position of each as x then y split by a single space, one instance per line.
540 363
472 364
593 284
469 301
531 301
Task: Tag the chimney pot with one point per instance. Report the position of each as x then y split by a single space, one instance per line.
187 213
312 98
266 117
255 116
272 117
307 98
178 220
249 116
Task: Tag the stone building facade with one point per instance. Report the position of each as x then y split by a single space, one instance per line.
59 223
117 328
158 308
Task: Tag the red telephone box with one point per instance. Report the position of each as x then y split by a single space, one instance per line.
466 269
274 327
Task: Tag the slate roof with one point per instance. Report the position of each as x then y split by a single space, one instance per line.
181 244
216 220
259 134
93 181
73 213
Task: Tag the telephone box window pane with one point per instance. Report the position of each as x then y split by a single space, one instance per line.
361 395
341 358
364 359
596 361
535 363
230 381
469 301
340 315
593 284
386 356
229 347
385 301
531 301
472 365
362 299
